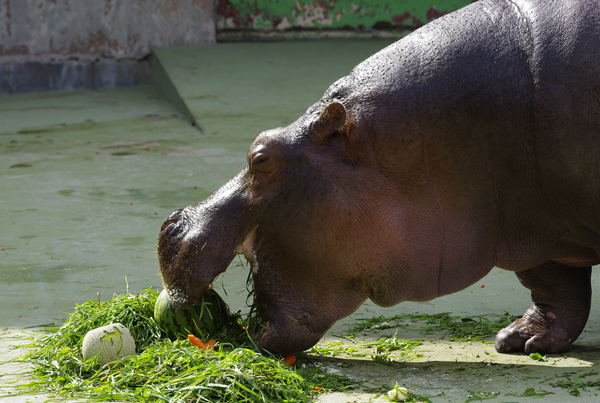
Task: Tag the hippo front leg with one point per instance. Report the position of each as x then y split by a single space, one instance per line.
562 298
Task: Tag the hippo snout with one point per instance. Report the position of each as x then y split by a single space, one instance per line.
197 243
168 239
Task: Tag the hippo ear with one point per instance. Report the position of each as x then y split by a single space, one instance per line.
332 119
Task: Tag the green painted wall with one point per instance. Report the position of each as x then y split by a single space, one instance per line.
333 14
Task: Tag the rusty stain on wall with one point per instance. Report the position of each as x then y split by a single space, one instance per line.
15 50
96 28
331 14
107 7
168 6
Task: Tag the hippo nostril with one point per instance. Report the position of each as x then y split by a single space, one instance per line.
168 229
173 218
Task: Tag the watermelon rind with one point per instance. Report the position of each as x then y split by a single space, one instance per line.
205 319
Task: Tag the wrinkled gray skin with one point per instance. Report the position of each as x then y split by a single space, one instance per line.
471 143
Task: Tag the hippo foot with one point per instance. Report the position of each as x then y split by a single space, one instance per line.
538 331
562 298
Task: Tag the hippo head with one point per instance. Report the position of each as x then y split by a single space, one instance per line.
320 224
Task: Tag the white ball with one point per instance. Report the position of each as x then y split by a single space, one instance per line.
111 342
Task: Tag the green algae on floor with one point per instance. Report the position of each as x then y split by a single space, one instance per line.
88 178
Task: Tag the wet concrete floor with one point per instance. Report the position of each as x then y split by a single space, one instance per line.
88 177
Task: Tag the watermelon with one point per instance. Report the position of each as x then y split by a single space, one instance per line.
205 319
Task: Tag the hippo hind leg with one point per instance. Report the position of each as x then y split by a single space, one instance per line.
562 298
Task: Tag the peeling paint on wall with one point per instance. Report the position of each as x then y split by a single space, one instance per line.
332 14
92 28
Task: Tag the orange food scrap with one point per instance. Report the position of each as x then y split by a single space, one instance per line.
482 286
290 359
196 341
200 344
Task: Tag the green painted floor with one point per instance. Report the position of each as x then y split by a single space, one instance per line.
88 177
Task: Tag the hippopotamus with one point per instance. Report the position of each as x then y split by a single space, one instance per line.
470 143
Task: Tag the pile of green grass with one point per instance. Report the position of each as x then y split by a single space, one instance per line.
165 370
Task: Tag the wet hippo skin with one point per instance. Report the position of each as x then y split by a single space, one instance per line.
471 143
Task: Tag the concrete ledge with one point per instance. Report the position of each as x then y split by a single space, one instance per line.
166 88
18 75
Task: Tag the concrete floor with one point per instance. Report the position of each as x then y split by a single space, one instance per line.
88 177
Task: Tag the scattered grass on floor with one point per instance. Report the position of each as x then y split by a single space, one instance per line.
574 382
379 350
538 357
471 328
530 392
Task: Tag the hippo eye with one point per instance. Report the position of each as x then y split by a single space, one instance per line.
262 164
